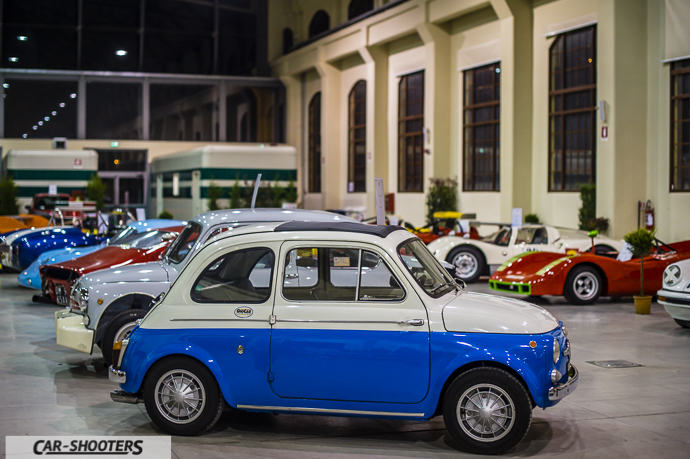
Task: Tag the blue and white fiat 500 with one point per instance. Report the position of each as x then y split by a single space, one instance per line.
340 319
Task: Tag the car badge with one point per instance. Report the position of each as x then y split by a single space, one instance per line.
240 349
244 312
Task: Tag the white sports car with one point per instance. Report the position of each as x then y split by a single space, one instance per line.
477 257
675 294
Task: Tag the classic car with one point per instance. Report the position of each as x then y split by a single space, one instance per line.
674 295
19 249
475 258
104 307
21 222
31 277
583 277
57 278
407 344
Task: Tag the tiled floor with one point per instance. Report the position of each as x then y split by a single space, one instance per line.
615 413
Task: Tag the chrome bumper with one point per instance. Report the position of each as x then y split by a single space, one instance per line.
117 376
562 390
121 396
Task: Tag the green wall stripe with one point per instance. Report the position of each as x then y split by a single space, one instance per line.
51 175
31 191
220 173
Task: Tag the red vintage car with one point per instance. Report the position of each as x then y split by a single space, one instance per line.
57 279
583 277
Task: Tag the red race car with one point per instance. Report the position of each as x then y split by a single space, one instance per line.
583 277
57 279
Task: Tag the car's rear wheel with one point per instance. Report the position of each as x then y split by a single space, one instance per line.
182 396
583 285
119 328
487 410
683 323
469 263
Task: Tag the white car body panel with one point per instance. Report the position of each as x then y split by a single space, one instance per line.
676 290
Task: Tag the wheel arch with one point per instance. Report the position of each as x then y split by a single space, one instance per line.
129 301
481 364
473 247
597 268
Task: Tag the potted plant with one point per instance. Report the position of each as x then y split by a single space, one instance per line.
641 241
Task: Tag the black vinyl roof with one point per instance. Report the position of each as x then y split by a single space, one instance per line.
347 227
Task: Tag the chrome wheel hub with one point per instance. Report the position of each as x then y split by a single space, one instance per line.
486 412
466 264
586 285
180 396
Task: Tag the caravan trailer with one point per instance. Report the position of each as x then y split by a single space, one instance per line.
180 181
34 171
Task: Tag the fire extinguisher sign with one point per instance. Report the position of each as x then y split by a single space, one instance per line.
604 133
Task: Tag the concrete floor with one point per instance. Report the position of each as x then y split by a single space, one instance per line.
614 413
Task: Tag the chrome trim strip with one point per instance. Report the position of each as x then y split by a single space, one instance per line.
324 410
395 322
218 320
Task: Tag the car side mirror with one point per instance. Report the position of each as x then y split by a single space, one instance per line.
168 237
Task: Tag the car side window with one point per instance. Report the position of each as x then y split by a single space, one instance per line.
532 235
243 276
333 274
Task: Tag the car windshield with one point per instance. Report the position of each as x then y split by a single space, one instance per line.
143 240
122 235
178 250
426 270
500 237
49 202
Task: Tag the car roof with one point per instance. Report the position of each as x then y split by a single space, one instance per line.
380 231
268 215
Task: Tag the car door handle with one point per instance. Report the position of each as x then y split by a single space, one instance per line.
413 322
291 276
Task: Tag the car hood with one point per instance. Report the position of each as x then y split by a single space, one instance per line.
153 271
482 313
107 257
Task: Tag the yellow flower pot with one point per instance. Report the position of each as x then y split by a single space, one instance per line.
643 304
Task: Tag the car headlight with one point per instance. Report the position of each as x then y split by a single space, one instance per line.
556 351
83 299
565 329
79 298
673 274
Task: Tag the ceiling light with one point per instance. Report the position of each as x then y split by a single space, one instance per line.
35 127
5 85
54 113
22 37
121 52
13 59
62 105
40 123
47 118
25 135
73 95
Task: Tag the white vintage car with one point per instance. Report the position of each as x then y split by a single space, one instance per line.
473 258
675 294
341 320
105 305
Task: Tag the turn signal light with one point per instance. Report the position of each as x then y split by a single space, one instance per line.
117 348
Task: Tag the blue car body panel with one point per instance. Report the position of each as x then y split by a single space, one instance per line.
35 243
268 368
31 276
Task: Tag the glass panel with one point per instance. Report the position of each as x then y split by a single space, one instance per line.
425 268
121 160
239 277
113 111
376 280
182 112
49 99
131 191
184 243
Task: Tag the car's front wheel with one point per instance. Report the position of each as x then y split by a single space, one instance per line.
182 396
583 285
487 410
469 263
683 323
118 329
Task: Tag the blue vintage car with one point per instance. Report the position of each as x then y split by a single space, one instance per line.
19 249
371 325
31 277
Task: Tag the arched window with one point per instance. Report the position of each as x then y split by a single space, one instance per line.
288 40
315 144
357 133
320 22
359 7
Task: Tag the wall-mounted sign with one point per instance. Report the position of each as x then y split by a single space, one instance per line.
77 163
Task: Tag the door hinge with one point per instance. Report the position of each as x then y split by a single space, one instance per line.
270 376
272 319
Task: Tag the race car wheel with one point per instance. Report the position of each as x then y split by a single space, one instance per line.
118 329
583 285
683 323
469 263
182 396
487 410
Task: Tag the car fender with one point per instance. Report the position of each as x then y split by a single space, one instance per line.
136 378
442 246
508 351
